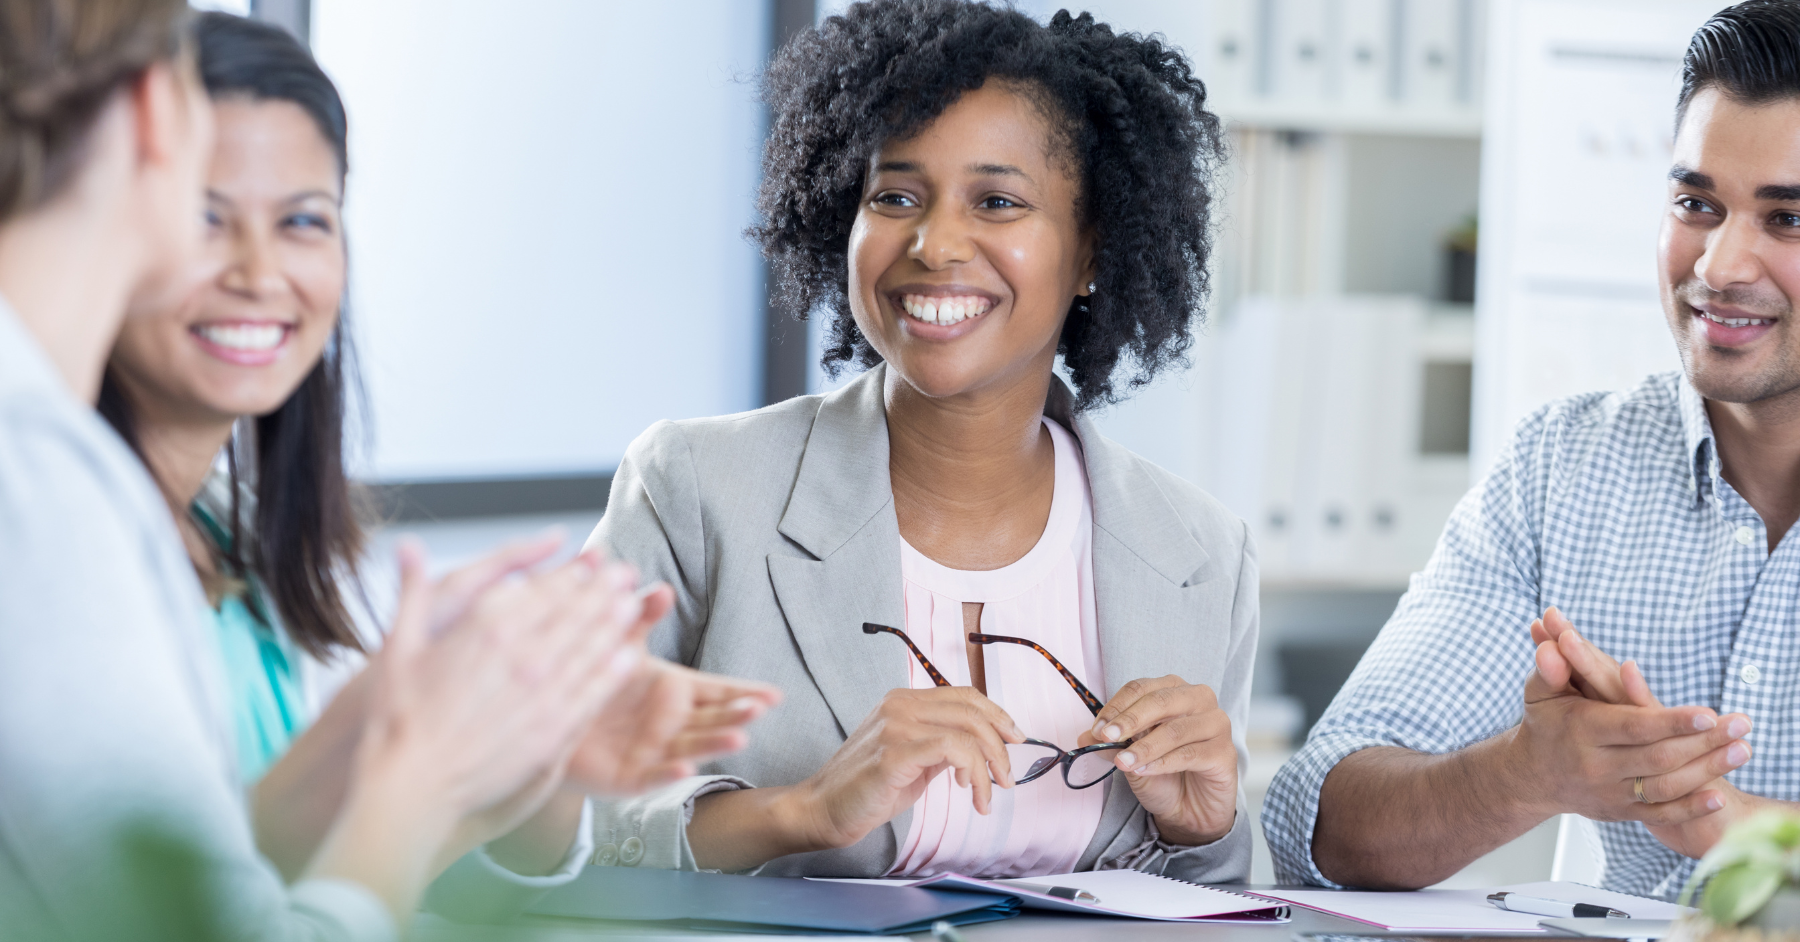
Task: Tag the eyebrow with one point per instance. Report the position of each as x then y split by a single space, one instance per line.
299 197
1690 177
312 194
1781 192
1777 192
999 170
986 170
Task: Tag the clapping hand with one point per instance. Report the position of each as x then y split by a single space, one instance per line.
1692 801
664 721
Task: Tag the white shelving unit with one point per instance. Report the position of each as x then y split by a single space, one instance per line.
1581 130
1355 150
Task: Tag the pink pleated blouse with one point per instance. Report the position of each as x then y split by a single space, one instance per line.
1047 596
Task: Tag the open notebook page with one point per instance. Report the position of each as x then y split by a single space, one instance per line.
1464 910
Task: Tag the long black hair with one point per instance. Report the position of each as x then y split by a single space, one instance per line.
307 532
1128 114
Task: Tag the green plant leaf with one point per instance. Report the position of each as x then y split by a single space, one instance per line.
1736 893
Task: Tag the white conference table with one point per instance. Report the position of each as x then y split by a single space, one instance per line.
1026 928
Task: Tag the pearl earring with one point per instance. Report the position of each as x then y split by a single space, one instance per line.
1090 287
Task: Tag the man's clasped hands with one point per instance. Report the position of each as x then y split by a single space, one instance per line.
1613 752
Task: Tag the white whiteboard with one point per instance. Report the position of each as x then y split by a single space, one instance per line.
545 213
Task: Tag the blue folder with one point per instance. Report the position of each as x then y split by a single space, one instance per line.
764 904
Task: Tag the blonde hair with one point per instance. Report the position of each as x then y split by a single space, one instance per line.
60 62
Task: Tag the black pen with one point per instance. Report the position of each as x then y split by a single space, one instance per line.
1060 892
1539 906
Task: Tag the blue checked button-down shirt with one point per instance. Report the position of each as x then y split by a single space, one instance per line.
1611 507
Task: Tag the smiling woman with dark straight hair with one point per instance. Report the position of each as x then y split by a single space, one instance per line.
255 365
969 196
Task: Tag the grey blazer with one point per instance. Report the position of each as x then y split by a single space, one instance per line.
777 530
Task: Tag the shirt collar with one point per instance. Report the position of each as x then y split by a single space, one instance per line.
1696 427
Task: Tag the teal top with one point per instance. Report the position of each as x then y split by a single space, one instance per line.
261 672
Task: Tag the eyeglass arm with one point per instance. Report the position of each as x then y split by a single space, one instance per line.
1086 695
870 628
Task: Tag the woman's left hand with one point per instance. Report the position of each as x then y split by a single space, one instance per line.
1181 764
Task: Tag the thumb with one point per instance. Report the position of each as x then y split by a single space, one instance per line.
1552 676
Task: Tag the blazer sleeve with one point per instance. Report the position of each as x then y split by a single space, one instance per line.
1226 860
654 520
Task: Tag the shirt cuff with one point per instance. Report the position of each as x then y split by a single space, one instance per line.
356 912
650 831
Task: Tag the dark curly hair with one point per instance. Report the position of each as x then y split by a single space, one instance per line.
1126 109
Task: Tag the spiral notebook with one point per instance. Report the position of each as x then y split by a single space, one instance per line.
1132 893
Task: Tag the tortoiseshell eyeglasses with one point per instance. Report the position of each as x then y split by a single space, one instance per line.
1082 768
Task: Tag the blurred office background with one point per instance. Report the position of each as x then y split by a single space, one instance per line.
1438 215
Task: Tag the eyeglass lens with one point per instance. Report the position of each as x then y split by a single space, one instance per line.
1031 760
1091 767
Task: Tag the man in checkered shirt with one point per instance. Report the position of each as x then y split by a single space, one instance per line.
1654 520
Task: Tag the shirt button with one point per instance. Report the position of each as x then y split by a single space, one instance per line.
606 855
1750 674
631 851
1745 535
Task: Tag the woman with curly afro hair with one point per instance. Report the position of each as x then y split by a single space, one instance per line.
1009 646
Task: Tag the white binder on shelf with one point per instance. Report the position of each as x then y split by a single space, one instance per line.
1301 50
1230 60
1364 55
1430 53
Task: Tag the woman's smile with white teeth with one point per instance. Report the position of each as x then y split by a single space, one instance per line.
948 310
243 336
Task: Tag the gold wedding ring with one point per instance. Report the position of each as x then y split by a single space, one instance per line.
1637 788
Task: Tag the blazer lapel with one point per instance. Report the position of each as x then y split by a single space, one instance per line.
841 513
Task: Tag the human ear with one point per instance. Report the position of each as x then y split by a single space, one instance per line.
1085 257
171 115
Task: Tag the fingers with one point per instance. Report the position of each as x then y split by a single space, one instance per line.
657 600
1678 811
1696 774
406 637
960 752
1180 743
716 688
1594 667
1678 751
460 588
958 719
730 715
1606 724
1553 674
699 747
1146 702
1555 623
591 611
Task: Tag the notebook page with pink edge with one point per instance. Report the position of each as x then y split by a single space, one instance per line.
1131 893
